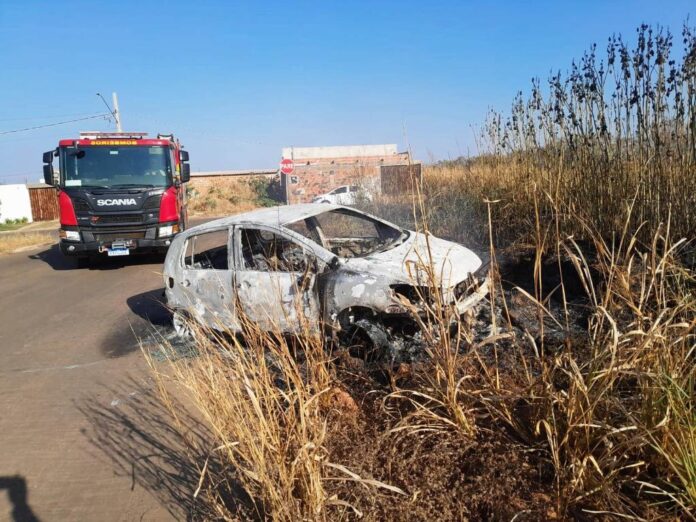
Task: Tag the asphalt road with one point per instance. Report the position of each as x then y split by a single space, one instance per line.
80 436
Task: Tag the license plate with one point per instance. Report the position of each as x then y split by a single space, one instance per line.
117 252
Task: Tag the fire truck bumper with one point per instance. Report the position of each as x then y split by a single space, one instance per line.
79 241
74 248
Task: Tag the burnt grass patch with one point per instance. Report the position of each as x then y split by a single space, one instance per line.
510 380
505 471
493 476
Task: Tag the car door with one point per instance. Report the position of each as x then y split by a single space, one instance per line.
206 278
275 280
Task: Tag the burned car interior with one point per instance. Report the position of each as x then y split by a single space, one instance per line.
346 233
265 251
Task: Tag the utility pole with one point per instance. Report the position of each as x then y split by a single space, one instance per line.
117 113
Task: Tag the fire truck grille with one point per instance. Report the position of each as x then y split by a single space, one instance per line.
122 218
113 236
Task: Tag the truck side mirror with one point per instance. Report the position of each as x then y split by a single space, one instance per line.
48 167
185 172
183 155
48 174
48 156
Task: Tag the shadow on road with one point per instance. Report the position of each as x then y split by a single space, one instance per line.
151 306
57 261
128 337
141 440
16 487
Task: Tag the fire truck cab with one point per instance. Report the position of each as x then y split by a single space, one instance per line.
118 192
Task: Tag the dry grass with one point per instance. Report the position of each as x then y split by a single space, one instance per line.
572 395
267 401
222 195
15 241
598 423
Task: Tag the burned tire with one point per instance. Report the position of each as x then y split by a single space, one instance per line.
367 339
181 322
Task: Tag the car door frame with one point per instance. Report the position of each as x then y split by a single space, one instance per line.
267 314
194 281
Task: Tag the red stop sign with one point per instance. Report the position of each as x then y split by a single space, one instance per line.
287 166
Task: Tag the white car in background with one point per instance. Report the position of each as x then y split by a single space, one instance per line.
343 195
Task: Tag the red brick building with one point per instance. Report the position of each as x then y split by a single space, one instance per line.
319 170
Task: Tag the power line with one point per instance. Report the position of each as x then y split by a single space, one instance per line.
54 124
52 116
20 174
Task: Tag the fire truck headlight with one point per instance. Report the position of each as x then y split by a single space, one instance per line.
70 235
168 230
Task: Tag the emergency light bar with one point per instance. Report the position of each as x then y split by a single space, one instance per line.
92 135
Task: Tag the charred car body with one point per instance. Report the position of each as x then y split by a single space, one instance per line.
338 268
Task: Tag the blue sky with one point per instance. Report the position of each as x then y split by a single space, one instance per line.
236 81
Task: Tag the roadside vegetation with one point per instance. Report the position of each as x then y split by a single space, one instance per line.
219 197
13 224
15 241
571 394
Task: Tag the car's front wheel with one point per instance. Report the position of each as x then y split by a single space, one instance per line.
367 339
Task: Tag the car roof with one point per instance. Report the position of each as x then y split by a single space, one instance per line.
280 215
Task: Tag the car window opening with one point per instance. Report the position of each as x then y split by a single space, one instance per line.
207 251
265 251
348 234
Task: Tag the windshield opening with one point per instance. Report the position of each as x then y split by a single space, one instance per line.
349 234
111 167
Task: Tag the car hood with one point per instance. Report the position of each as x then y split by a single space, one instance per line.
406 262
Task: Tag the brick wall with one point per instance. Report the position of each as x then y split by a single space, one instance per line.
313 177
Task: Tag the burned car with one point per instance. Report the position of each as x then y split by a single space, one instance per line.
335 268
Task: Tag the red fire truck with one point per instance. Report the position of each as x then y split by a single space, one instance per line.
118 192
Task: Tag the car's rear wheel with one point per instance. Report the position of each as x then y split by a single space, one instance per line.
183 325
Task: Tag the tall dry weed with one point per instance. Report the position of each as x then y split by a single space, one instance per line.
596 173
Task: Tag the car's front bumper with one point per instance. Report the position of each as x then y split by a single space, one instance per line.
462 305
474 297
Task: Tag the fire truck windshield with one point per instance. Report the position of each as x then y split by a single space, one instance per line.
113 167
